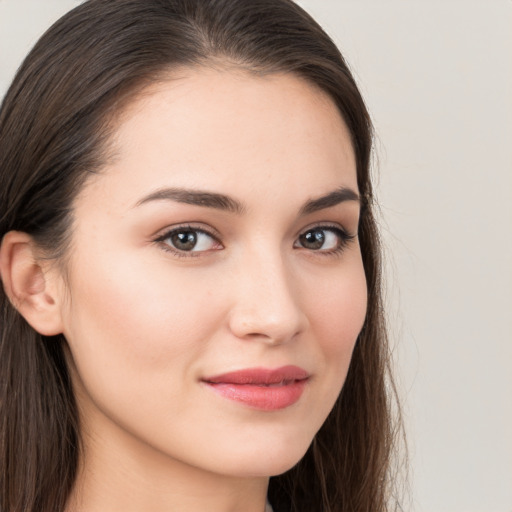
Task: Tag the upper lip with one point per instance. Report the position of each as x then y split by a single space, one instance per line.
260 376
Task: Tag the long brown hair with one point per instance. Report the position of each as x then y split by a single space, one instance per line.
55 123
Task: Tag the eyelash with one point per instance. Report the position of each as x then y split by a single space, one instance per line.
184 229
344 240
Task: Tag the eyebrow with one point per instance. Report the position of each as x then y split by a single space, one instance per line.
195 197
226 203
334 198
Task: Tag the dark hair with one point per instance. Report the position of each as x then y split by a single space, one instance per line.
55 123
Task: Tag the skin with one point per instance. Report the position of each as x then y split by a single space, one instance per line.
145 324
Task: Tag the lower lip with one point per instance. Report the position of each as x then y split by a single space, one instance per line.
265 398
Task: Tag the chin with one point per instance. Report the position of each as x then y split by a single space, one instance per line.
266 461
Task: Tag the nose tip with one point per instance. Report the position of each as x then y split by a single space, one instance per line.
249 326
267 308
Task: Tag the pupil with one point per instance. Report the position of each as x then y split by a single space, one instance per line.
186 240
313 239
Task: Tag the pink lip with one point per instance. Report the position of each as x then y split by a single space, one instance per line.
261 388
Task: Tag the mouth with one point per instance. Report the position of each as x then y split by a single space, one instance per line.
261 388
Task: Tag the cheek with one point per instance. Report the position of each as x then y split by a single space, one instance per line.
339 309
337 314
134 321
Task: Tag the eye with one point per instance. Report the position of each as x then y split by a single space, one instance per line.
189 239
327 239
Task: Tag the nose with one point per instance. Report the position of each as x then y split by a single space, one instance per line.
266 304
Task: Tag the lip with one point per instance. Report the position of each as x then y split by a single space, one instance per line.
261 388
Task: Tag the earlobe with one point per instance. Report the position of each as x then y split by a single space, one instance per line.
29 288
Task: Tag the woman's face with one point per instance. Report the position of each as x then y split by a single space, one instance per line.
215 287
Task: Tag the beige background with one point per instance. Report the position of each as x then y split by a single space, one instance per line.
437 76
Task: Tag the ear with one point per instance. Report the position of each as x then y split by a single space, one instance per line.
32 289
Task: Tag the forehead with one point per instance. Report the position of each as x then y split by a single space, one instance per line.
220 129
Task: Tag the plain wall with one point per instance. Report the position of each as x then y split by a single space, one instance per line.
437 77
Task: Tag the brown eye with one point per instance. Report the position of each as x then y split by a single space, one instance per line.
183 240
313 239
323 239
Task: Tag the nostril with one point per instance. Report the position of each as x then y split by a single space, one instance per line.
270 330
265 306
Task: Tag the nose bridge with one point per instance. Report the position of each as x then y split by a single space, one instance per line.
266 305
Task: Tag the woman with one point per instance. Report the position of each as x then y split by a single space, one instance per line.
191 314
